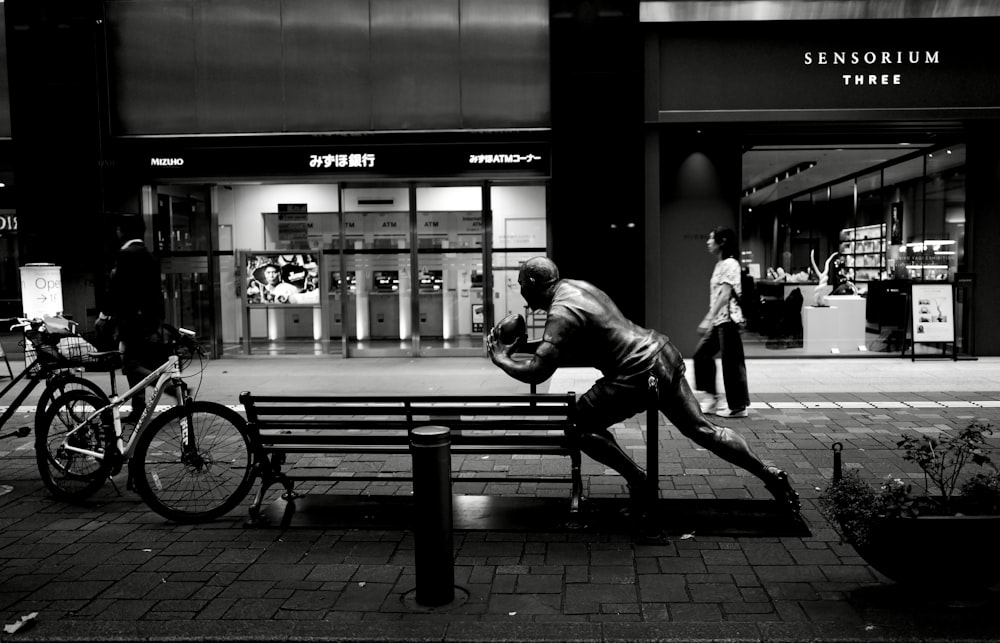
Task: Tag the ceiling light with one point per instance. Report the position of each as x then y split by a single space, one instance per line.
780 176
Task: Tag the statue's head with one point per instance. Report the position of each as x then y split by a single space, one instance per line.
537 278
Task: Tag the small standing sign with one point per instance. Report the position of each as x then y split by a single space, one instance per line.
41 290
932 316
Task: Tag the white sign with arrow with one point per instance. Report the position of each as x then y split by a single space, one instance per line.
41 290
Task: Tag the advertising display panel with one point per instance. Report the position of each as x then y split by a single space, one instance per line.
281 279
933 313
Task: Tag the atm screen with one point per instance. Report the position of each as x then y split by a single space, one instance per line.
430 281
386 280
336 282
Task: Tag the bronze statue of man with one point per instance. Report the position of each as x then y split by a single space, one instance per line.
584 327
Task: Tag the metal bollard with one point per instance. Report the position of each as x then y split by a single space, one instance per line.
838 471
430 448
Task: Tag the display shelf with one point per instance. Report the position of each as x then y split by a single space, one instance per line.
864 249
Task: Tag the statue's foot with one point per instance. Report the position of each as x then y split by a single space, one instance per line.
782 490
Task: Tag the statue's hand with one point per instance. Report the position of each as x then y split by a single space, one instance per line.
497 350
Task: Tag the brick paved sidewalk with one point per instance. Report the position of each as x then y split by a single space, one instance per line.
112 570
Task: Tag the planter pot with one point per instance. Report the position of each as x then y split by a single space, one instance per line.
938 554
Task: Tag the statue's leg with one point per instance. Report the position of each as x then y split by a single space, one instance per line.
599 408
678 404
602 446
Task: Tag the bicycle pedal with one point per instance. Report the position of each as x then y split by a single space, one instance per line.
23 431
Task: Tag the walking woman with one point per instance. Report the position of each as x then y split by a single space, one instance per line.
720 332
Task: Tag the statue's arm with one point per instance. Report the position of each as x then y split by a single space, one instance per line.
531 370
544 353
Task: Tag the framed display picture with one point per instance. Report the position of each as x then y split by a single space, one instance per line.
896 228
281 278
932 314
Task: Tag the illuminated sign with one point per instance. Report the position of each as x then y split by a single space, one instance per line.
319 160
887 63
504 159
341 160
824 70
8 223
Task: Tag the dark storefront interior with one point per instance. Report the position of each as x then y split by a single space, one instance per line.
886 215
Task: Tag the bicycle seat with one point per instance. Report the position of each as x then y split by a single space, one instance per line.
103 354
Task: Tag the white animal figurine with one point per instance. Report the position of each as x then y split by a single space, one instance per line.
824 288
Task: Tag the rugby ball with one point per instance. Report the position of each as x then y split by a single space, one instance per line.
511 328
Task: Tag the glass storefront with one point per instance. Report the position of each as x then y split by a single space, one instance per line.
390 269
868 222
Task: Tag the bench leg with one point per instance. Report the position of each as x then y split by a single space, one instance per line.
267 479
576 469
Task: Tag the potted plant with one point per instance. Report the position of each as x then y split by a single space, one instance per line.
941 539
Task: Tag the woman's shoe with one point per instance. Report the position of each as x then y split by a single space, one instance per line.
732 413
711 405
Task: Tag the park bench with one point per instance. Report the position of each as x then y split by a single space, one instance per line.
303 426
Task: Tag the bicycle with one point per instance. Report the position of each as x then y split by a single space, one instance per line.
190 463
57 365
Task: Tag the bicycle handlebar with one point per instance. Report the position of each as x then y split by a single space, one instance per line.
55 325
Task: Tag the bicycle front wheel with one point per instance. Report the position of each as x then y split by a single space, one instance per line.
71 444
194 462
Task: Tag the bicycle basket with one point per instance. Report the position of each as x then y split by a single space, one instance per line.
37 345
76 351
67 352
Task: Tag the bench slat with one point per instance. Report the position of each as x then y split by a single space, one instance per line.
400 411
413 399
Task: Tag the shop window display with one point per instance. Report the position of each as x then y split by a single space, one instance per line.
881 218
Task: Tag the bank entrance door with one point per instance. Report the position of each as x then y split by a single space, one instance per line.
183 238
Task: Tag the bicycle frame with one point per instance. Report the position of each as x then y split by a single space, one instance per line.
168 372
19 399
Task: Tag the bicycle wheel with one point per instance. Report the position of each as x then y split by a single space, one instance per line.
60 384
196 475
68 474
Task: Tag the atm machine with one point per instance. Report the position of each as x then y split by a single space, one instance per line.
337 327
431 303
383 302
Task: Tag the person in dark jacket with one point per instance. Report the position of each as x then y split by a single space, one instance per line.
584 327
134 306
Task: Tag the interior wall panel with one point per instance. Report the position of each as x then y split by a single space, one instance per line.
326 63
415 64
238 62
505 63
